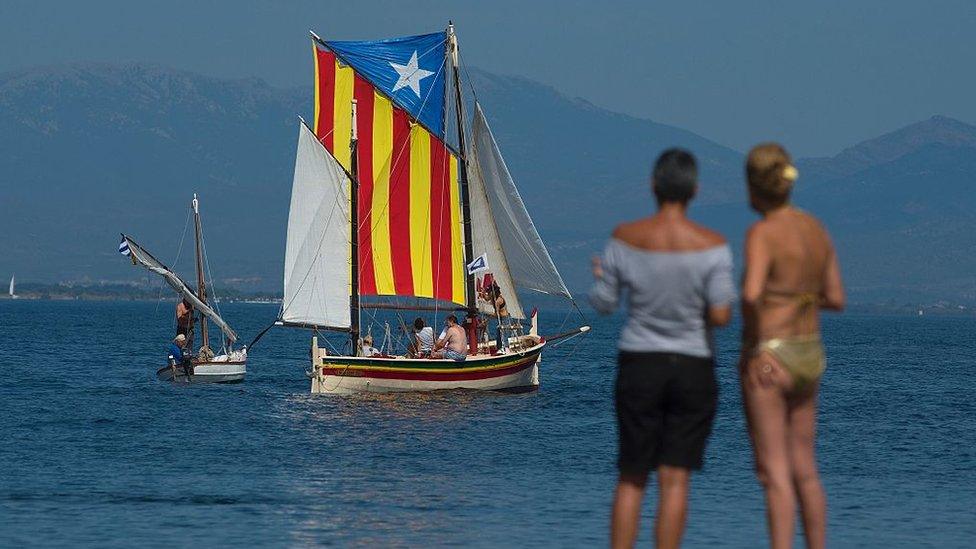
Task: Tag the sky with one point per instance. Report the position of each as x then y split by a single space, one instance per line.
818 76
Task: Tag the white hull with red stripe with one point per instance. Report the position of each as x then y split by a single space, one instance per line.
514 372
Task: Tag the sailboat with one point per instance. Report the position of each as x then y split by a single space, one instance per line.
203 366
11 292
388 216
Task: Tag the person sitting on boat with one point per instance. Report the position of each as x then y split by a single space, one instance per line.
184 317
367 347
176 351
453 344
423 339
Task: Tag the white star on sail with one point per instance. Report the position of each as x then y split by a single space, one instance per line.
410 75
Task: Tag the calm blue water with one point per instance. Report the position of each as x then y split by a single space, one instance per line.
96 452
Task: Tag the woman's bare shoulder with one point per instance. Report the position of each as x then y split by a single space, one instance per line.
633 232
757 230
815 224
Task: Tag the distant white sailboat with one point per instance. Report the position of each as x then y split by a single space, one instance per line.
11 292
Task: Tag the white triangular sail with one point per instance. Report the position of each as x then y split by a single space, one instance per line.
140 256
485 241
12 285
528 261
317 250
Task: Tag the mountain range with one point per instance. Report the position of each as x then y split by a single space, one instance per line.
90 150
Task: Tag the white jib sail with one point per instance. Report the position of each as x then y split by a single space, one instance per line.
318 248
12 284
529 262
140 256
484 240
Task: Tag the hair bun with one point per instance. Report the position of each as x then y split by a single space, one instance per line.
790 173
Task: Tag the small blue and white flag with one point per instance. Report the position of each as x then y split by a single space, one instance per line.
124 248
480 264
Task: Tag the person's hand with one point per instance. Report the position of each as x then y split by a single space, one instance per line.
597 266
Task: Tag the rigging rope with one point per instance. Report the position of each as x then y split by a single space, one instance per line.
179 252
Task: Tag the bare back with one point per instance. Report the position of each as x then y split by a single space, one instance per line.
455 339
791 272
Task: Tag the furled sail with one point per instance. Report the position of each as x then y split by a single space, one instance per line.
409 216
140 256
485 241
317 249
528 261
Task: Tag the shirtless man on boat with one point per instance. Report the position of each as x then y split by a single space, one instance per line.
184 317
454 344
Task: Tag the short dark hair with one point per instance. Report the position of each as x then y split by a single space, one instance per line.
675 176
418 323
452 318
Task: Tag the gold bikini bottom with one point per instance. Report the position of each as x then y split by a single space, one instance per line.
802 357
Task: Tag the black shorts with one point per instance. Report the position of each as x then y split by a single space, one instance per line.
665 407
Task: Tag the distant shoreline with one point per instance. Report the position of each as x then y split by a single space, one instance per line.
936 309
114 298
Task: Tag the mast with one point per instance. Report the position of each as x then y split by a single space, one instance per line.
471 298
354 235
201 281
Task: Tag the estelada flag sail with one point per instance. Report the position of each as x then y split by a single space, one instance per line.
409 70
410 241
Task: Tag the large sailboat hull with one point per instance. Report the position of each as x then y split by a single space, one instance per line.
509 372
205 372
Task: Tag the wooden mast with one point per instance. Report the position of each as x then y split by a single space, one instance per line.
201 280
471 298
354 235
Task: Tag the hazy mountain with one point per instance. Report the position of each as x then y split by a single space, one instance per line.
87 151
903 211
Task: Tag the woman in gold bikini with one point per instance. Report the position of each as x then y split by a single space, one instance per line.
791 272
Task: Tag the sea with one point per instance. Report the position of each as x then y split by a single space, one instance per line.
94 451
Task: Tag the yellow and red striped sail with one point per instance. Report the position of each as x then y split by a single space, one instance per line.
410 238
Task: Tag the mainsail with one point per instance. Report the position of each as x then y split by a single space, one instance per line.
523 255
317 250
140 256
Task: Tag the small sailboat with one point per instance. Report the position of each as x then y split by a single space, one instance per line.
203 366
388 216
12 294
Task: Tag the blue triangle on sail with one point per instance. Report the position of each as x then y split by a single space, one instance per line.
409 69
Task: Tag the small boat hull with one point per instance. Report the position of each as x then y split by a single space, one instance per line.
510 372
205 372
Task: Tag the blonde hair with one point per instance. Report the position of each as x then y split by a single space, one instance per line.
770 172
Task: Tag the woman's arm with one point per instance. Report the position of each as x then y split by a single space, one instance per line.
757 264
719 316
604 295
720 290
832 295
